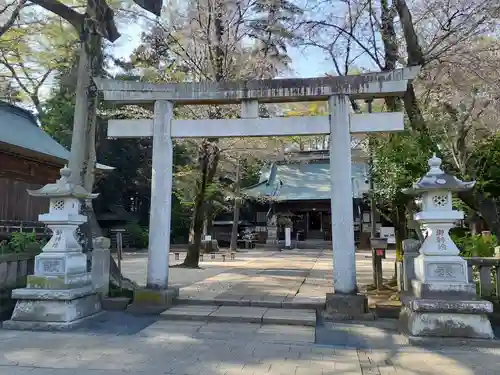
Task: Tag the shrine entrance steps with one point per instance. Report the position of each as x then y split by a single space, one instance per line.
295 314
313 243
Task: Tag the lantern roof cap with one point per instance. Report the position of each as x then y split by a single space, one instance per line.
437 179
63 188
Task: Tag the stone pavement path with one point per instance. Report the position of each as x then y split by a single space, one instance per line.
300 276
120 344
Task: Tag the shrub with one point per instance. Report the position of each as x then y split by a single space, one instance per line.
284 222
21 242
138 236
477 245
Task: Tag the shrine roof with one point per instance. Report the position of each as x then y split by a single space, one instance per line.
302 181
19 128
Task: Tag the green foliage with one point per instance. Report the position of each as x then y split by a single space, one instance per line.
486 157
475 245
35 48
284 221
270 27
251 171
400 159
138 236
21 242
57 117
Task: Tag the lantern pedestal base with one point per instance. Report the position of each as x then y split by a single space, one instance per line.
52 309
440 269
446 318
444 291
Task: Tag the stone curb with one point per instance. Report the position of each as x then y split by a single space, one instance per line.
453 342
267 317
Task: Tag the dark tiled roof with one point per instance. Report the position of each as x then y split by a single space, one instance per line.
303 181
18 127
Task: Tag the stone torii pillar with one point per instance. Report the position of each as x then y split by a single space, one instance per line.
161 196
339 125
157 296
344 260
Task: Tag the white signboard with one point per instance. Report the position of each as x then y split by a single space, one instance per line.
388 232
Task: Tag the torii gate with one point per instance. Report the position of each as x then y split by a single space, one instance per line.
339 125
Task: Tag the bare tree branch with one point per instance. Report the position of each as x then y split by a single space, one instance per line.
63 11
13 16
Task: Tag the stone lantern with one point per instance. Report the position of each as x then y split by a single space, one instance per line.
443 300
59 294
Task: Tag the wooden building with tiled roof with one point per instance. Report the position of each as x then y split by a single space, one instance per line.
29 159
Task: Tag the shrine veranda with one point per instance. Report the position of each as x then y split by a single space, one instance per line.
339 125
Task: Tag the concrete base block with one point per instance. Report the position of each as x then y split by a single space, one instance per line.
20 325
448 306
52 294
58 282
115 303
152 301
461 342
346 307
445 324
366 317
465 291
59 312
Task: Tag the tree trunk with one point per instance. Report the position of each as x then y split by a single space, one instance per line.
487 207
83 154
193 253
209 160
413 48
94 57
390 42
415 57
209 151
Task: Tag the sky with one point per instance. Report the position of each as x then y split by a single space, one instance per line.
305 64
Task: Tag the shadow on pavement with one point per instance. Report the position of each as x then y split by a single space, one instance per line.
116 323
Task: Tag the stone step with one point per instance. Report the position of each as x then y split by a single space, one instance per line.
241 314
296 303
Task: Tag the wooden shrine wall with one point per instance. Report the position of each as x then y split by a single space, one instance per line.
17 174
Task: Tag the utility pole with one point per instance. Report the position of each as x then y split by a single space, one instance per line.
236 213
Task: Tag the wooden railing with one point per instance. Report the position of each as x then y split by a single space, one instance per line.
13 271
486 273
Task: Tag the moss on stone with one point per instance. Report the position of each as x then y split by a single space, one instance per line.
149 296
56 282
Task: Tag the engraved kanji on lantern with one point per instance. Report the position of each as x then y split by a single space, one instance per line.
437 218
